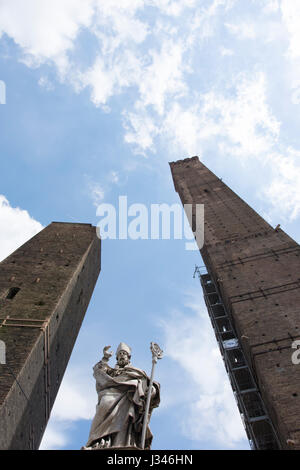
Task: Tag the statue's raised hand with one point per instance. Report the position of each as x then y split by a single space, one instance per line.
106 354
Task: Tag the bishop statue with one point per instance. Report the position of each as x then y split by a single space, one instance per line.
126 398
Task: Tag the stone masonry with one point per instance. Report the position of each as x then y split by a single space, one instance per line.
45 289
257 270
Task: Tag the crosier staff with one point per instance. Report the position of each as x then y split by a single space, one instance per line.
157 353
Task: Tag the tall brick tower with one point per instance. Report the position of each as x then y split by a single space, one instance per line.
45 288
251 285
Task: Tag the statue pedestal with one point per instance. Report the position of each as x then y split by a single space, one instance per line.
113 448
120 448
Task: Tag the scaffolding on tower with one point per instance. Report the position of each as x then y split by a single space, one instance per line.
257 423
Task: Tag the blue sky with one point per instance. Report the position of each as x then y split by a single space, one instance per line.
100 96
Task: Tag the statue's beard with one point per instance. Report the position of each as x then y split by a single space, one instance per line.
123 362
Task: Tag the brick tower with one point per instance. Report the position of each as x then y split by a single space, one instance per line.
251 285
45 288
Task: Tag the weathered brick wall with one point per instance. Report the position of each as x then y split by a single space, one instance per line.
257 271
56 272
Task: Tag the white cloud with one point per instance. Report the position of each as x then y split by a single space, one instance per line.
141 131
271 6
101 79
246 118
284 189
173 7
226 52
97 193
44 82
205 21
76 400
244 30
55 437
45 30
118 22
182 127
290 36
98 190
152 56
114 177
211 410
295 94
241 123
156 80
17 226
109 75
164 76
157 72
291 17
262 28
237 122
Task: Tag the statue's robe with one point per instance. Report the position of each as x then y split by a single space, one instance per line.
121 405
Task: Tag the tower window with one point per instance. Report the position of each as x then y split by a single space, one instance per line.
12 292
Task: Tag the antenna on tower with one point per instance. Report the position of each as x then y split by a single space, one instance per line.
197 270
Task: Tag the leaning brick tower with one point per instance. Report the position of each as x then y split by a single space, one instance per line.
45 289
251 286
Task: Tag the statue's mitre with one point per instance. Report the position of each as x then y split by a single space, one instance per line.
124 347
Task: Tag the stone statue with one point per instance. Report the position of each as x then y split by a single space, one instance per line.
122 393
